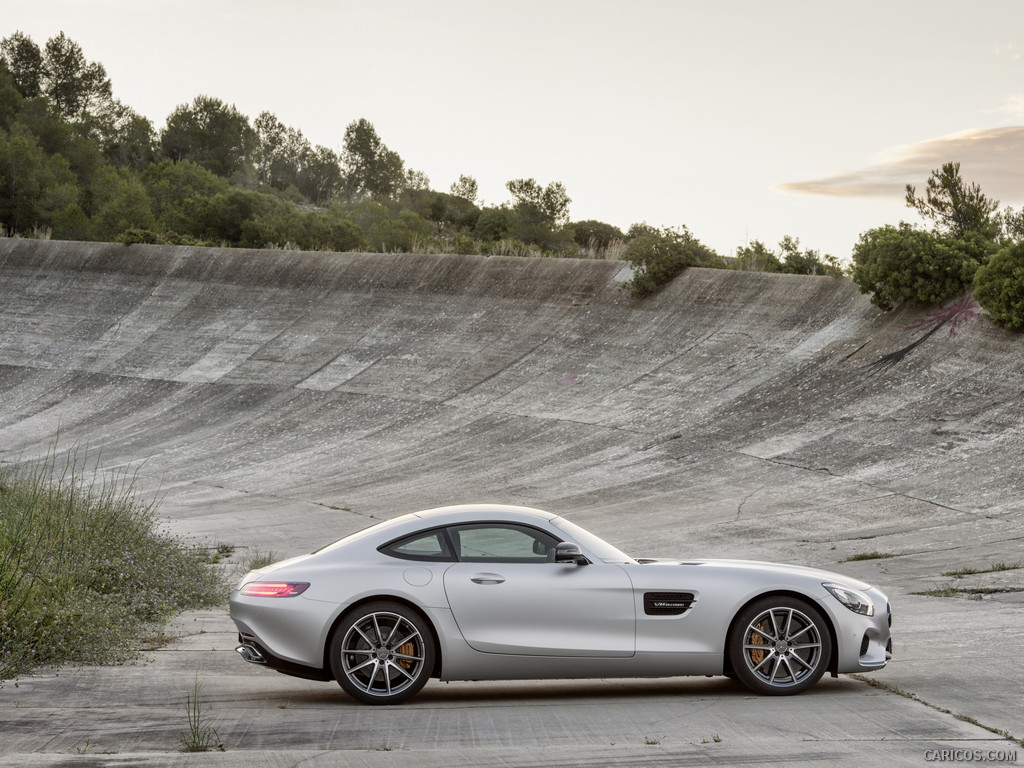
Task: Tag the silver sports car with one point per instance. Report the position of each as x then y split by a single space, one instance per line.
493 592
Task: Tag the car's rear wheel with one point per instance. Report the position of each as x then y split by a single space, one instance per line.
780 645
382 653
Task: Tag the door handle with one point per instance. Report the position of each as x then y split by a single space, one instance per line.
487 578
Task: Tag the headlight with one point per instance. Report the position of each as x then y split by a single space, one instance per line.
856 601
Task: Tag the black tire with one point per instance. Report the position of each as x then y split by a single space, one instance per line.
382 653
780 645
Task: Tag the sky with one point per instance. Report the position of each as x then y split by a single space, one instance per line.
741 120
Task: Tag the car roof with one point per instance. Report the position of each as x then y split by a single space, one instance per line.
459 513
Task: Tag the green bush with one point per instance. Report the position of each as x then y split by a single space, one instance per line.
999 286
84 571
493 224
903 263
658 255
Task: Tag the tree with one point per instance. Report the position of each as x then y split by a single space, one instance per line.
756 257
75 87
24 61
896 264
121 203
371 169
270 135
416 181
387 232
493 223
10 98
319 176
465 187
128 139
210 133
1010 224
176 190
37 189
806 262
595 235
442 208
955 207
548 206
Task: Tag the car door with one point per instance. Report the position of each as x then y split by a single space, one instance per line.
509 596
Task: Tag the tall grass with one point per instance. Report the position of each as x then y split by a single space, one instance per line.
85 569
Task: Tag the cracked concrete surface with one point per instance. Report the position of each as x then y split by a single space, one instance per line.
279 400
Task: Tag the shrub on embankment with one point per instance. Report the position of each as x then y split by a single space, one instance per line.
85 571
971 248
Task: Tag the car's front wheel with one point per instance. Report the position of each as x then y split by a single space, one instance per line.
382 653
780 645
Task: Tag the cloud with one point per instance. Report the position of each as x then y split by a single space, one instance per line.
1012 108
1007 50
991 157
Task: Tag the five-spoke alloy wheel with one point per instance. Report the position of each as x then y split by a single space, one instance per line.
780 645
382 653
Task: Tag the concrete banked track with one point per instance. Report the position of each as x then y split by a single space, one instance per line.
279 399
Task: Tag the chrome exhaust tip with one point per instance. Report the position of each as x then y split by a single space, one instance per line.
250 654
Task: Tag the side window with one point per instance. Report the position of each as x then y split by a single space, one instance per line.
502 543
432 546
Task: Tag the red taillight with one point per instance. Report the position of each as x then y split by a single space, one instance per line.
274 588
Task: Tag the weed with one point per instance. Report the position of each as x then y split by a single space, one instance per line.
199 737
158 638
257 559
875 555
651 742
974 592
947 591
994 568
84 748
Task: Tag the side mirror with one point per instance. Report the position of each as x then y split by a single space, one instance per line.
567 552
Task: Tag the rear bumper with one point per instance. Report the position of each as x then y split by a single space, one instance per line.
253 652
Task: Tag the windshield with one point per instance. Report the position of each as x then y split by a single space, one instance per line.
598 546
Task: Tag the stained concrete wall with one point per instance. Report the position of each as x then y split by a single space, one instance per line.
283 397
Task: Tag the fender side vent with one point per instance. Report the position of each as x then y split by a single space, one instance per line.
667 603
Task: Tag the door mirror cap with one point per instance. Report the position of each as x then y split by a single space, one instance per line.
567 552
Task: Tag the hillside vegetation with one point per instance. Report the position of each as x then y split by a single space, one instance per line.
78 164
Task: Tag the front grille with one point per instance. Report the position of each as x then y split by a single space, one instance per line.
864 645
667 603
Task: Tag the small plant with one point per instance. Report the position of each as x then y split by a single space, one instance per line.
199 737
995 568
975 593
651 742
259 558
875 555
947 591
